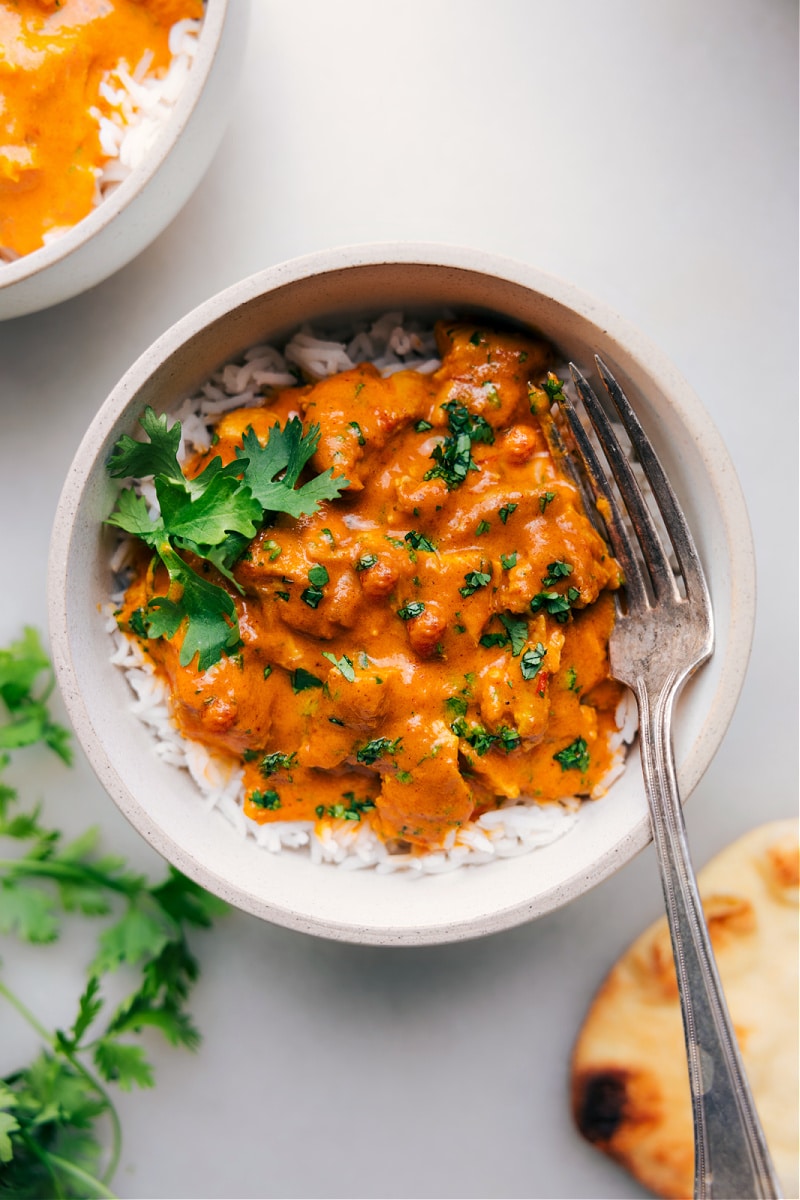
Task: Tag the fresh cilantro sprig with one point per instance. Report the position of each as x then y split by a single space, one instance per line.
51 1111
212 516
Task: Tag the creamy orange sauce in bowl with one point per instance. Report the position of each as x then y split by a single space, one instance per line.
98 100
58 56
430 644
329 290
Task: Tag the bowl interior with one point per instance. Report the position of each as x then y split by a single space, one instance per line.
162 803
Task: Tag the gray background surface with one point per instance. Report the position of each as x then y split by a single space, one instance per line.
648 154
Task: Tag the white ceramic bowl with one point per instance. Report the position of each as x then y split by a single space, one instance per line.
154 192
161 802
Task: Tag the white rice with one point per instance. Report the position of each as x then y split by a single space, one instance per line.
517 827
140 104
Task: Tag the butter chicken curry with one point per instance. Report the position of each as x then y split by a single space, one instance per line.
434 641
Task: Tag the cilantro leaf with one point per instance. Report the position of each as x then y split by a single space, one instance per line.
159 456
273 470
206 517
473 580
133 516
574 757
209 612
121 1063
531 662
344 664
517 630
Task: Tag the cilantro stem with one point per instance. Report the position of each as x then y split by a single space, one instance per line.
116 1127
97 1186
25 1013
66 871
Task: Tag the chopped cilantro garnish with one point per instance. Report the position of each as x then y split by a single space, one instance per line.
356 428
344 664
351 811
329 538
419 542
366 561
378 748
531 662
414 608
505 512
317 578
270 800
453 457
457 705
483 527
507 561
271 763
572 680
474 580
136 621
553 386
555 572
423 426
302 680
555 604
517 630
574 757
545 499
490 640
482 741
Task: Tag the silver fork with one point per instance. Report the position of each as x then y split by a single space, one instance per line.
661 636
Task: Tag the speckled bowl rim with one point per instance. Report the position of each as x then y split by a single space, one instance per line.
614 331
41 260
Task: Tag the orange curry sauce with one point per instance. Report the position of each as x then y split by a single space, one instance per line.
53 57
453 694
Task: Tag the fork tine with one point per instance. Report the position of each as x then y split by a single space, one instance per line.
674 520
653 551
606 504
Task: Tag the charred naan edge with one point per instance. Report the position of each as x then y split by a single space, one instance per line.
630 1088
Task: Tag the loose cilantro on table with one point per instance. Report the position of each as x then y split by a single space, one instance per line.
51 1111
214 517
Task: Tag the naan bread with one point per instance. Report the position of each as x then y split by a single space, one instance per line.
630 1088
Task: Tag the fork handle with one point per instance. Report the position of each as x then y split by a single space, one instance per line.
731 1157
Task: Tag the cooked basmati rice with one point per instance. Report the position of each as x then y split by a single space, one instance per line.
140 103
517 827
